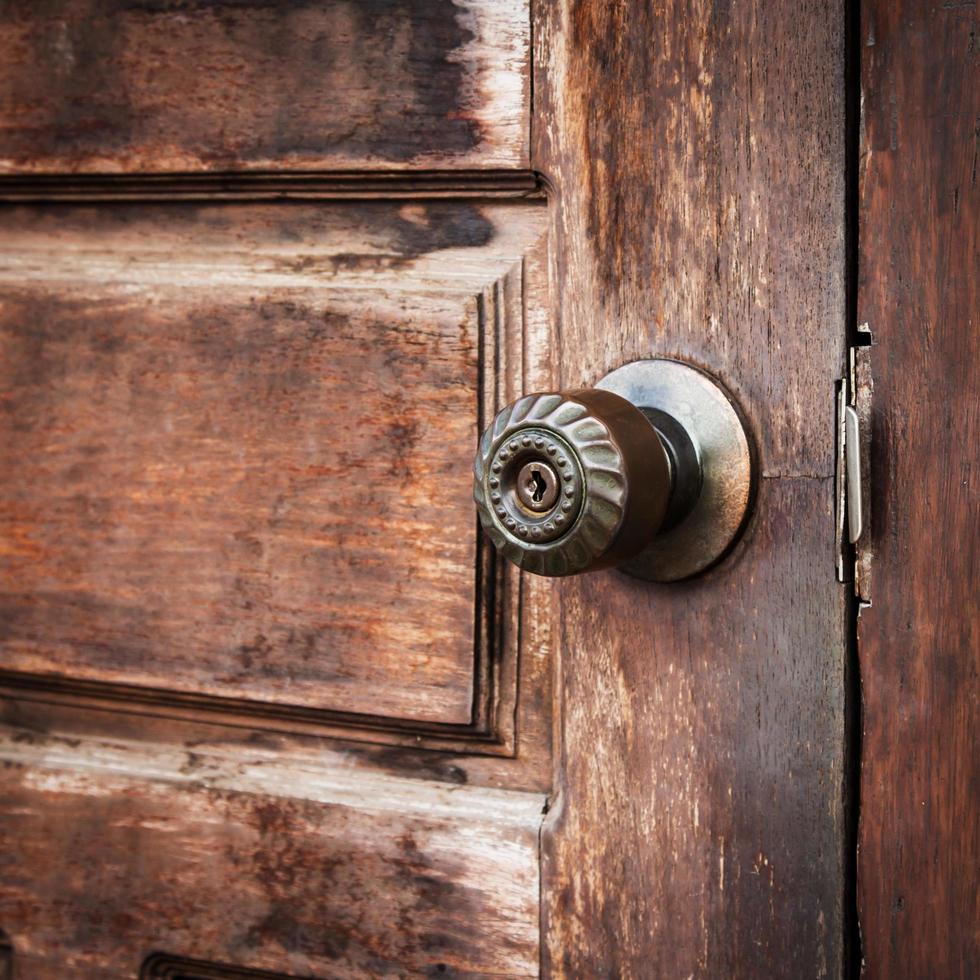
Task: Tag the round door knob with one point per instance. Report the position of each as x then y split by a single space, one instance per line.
649 471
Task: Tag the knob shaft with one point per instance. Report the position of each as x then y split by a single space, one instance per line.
572 482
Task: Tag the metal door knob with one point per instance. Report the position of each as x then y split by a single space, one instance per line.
649 471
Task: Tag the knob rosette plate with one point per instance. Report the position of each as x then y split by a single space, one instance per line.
707 413
566 483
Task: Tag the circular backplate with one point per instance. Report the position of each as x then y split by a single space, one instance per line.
708 415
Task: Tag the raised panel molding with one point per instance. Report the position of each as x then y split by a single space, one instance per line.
490 262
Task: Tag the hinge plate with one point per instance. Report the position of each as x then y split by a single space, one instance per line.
853 496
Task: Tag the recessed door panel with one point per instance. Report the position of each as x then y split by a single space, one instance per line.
228 450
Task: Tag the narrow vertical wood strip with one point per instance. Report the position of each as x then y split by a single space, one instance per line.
919 643
696 156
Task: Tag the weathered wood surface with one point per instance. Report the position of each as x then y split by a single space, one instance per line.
697 156
147 86
163 966
115 850
919 643
228 446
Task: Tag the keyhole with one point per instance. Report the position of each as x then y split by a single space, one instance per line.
536 486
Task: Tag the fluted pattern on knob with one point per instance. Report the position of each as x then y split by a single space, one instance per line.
588 438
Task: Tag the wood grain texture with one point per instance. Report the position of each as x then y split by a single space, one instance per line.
228 442
697 158
919 643
160 86
162 966
115 850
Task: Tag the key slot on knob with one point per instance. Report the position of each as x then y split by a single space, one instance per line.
537 486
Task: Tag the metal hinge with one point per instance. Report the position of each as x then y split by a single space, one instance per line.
853 498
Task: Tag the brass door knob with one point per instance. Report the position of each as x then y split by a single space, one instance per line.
650 471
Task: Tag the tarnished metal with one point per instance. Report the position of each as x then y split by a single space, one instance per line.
650 471
704 411
613 472
537 486
863 396
852 454
853 497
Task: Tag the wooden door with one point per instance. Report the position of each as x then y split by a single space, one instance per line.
273 706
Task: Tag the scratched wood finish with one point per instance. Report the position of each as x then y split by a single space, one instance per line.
150 86
163 966
129 849
228 446
697 156
919 643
